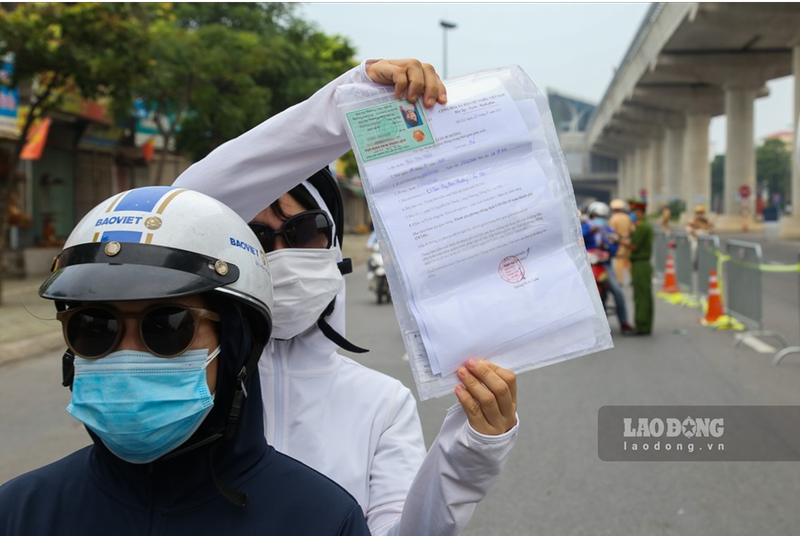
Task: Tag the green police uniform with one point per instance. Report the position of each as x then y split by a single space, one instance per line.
642 277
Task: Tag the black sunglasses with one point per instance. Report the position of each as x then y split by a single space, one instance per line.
310 229
167 330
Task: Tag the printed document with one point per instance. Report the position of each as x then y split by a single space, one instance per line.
476 231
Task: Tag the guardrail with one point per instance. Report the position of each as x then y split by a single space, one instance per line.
791 349
660 249
708 252
740 268
743 289
684 272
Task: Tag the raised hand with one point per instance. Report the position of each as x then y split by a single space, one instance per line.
409 76
488 395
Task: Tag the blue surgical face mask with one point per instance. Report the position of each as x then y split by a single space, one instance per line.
140 405
633 217
599 222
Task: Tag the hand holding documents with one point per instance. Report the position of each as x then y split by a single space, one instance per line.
474 208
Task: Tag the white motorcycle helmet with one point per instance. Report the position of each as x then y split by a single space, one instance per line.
598 209
164 242
161 242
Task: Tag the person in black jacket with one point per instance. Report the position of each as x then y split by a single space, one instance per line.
164 296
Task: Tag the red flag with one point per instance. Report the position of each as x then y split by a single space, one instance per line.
148 149
37 138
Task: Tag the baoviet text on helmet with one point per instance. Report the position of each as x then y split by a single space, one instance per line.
119 220
244 245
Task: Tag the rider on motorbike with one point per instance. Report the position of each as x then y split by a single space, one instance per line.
597 235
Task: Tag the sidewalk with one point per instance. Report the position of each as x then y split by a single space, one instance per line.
27 322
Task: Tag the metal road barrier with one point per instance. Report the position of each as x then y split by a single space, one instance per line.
791 349
743 289
708 251
660 247
683 262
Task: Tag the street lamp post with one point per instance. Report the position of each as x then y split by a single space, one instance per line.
445 26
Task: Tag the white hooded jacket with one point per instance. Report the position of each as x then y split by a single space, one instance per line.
355 425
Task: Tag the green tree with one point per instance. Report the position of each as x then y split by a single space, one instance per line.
350 164
228 99
774 167
201 82
91 49
717 179
258 17
306 60
676 208
166 90
258 59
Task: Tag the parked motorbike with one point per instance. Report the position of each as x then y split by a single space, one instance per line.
376 275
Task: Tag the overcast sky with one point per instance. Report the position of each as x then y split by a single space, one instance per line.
569 47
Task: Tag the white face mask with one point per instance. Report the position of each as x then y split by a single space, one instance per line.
304 282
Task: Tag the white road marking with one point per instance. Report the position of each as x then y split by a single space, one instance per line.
759 346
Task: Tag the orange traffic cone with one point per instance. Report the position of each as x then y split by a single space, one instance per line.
670 280
715 310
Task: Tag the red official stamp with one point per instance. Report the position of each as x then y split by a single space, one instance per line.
511 269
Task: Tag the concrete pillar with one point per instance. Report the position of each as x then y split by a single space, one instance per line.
657 197
740 161
673 162
630 173
647 174
696 183
636 181
622 174
665 169
790 226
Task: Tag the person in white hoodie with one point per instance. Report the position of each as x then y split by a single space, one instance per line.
355 425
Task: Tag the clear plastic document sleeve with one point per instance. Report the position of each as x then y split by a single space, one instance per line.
478 226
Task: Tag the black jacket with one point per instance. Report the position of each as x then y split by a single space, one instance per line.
92 492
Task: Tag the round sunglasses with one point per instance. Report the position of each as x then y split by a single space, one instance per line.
310 229
167 330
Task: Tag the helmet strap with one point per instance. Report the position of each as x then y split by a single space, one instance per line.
238 400
67 368
68 359
240 394
345 266
234 496
335 336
